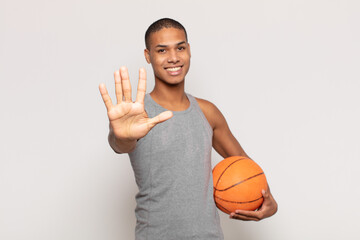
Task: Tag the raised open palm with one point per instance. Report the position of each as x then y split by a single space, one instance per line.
128 119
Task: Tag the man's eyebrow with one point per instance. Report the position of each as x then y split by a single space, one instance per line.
164 46
181 43
161 46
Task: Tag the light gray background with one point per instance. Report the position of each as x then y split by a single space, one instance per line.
284 73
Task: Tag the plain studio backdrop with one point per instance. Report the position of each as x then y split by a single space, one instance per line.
284 73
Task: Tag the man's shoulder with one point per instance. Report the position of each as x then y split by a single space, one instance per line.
205 104
209 109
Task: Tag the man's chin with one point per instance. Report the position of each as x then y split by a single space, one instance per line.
171 81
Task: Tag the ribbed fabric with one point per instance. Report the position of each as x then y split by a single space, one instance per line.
172 166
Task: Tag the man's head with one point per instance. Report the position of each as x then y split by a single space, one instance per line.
160 24
168 51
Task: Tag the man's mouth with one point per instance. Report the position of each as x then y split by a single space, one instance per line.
173 69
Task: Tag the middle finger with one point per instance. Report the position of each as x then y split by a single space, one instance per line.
126 86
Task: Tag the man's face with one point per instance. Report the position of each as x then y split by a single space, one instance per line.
169 55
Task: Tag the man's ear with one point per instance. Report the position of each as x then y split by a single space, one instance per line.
147 55
189 48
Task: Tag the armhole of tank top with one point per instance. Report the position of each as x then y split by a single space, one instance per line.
207 124
140 141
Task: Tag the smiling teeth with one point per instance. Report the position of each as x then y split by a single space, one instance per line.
173 69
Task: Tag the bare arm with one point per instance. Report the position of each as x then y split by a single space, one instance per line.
226 145
224 141
128 120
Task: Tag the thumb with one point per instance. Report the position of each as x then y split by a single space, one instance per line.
265 194
162 117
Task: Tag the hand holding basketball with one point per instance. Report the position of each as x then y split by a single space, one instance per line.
240 187
128 119
267 209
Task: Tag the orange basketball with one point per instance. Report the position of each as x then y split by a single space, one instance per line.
238 182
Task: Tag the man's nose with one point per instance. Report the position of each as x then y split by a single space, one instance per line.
173 57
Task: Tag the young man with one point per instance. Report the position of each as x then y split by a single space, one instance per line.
172 160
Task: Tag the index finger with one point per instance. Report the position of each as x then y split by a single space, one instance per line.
141 91
249 214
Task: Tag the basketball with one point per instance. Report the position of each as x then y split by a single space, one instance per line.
238 182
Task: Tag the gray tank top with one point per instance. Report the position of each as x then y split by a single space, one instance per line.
172 166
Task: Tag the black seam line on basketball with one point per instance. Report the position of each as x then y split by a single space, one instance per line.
223 208
241 158
239 202
221 190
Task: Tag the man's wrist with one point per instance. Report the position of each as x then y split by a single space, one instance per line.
120 145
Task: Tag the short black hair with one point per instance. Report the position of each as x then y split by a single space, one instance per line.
160 24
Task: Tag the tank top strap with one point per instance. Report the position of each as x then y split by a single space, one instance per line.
195 105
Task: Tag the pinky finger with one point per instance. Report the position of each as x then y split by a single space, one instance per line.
242 217
105 96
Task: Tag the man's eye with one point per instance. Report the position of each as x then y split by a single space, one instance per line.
161 50
181 48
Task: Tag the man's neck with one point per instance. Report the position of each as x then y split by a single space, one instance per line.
171 97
